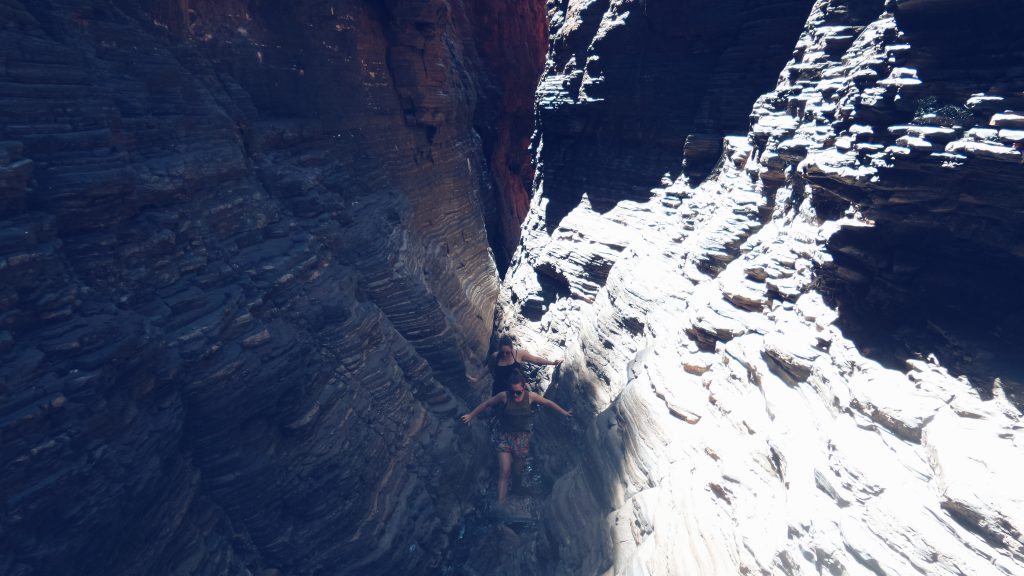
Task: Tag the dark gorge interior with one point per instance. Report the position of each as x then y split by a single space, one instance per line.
250 249
245 262
937 272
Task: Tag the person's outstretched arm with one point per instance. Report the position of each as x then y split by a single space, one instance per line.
549 403
533 359
493 400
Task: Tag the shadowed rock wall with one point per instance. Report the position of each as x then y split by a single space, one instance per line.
512 38
244 260
630 85
942 146
802 364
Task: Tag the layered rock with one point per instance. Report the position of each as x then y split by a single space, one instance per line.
630 85
803 364
512 39
244 262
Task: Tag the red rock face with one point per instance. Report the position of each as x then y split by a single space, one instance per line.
245 263
512 38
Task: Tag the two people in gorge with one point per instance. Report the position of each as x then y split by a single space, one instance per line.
515 424
505 363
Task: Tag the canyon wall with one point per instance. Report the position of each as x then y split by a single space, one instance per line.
248 249
808 362
244 264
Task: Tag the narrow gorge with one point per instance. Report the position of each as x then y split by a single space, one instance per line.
249 250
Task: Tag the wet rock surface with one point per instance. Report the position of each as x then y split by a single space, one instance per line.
244 263
804 364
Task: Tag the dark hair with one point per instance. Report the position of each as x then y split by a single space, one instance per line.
505 341
515 377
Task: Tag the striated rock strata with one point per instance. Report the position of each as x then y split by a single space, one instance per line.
807 363
243 259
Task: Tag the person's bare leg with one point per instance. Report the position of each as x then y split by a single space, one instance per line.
505 470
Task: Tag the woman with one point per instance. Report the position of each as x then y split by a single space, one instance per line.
515 426
505 362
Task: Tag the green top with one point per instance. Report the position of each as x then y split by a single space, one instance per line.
517 416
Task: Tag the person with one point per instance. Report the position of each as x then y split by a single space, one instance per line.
505 362
515 426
